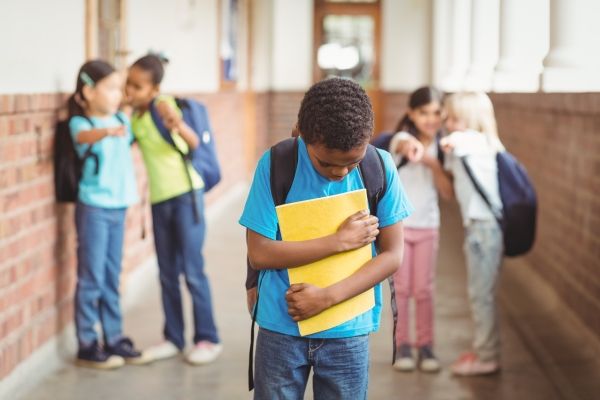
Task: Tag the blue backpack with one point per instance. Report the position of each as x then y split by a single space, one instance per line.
519 203
204 157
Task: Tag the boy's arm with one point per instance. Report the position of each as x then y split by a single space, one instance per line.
305 300
358 230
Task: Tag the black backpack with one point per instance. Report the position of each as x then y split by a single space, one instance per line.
284 159
68 165
519 203
382 141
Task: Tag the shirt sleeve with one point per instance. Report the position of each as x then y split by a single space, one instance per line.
394 206
78 124
259 212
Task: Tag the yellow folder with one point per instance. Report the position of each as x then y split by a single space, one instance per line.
311 219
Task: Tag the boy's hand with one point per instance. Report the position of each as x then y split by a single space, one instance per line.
305 300
357 231
251 299
169 115
412 149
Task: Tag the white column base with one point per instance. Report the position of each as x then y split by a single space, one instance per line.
557 79
516 81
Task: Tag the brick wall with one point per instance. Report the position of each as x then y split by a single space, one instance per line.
557 138
37 236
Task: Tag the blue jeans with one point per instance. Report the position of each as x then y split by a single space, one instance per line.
484 249
99 251
340 367
178 239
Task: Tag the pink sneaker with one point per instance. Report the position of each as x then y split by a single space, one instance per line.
469 364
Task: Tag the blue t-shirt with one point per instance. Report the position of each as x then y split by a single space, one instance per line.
259 215
114 185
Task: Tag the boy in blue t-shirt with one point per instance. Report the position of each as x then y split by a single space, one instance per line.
335 123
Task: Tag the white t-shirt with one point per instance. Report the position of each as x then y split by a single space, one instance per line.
480 152
418 182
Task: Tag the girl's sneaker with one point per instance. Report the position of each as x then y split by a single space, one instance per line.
404 358
469 364
427 360
204 352
94 356
124 348
162 351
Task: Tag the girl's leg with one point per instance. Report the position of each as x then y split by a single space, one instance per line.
402 287
165 242
110 309
92 244
190 237
483 249
425 257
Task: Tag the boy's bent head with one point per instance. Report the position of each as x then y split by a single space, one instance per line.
337 114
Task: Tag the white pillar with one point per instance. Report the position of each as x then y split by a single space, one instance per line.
523 45
458 57
573 63
485 18
441 40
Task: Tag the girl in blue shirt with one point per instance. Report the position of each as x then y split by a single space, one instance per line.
101 136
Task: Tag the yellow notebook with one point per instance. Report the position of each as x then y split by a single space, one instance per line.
316 218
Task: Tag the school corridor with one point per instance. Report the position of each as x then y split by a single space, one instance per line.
250 62
543 358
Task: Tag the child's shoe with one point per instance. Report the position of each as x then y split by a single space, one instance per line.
94 356
124 348
204 352
162 351
469 364
404 358
427 360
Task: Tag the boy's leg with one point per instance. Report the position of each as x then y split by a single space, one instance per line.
110 309
483 249
340 367
425 257
165 242
281 366
402 287
92 242
190 237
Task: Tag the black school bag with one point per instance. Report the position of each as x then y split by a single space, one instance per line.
519 203
284 159
68 166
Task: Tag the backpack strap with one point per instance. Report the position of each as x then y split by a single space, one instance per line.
372 171
166 135
480 189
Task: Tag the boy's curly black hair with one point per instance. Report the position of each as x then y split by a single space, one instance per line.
337 113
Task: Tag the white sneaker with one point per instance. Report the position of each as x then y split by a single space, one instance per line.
161 351
404 361
204 352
